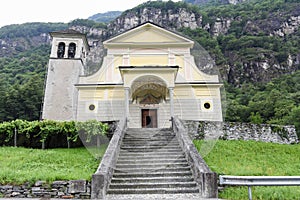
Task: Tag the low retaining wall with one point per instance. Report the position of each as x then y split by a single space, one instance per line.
241 131
206 179
79 189
103 175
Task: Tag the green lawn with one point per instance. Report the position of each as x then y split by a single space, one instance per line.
20 165
256 159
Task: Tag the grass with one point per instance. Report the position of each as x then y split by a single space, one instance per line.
21 165
252 158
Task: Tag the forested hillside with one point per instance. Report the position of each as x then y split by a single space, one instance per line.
105 17
255 46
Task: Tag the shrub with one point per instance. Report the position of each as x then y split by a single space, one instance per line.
49 132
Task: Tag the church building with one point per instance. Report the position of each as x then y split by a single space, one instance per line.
148 76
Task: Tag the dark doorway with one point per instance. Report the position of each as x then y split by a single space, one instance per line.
149 118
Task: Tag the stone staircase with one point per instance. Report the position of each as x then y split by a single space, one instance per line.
151 161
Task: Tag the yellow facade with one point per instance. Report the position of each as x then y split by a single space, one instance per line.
149 60
101 93
150 64
206 91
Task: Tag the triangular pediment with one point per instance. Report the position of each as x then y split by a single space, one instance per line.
150 99
150 34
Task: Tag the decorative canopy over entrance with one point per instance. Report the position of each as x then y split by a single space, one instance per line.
148 90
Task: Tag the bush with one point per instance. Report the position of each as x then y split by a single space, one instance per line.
49 133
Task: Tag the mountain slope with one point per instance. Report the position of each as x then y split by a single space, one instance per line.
105 17
215 2
250 42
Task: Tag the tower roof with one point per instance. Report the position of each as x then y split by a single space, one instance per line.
67 31
70 33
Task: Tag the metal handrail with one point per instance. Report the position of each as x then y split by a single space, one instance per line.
259 181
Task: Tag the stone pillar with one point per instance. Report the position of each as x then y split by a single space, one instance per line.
126 102
171 94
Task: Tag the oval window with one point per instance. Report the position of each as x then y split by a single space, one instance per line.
207 105
92 107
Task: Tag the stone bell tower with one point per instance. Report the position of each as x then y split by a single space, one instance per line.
66 64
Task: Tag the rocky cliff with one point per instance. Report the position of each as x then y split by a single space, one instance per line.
247 64
173 19
246 48
204 2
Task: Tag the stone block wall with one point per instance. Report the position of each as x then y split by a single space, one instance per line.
242 131
79 189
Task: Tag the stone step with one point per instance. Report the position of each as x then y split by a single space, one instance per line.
152 174
150 155
151 185
153 191
138 130
152 165
152 180
149 139
132 158
151 161
150 151
155 160
139 141
137 148
147 132
152 142
149 145
153 154
149 135
152 169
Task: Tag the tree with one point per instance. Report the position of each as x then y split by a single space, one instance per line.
295 118
32 93
12 104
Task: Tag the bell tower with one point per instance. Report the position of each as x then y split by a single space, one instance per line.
66 63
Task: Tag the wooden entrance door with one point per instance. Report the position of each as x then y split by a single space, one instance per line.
149 118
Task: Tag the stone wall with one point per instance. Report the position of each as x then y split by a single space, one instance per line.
242 131
79 189
203 175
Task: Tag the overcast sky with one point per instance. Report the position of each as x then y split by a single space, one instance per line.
22 11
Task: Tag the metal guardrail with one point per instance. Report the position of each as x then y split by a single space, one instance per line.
259 181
